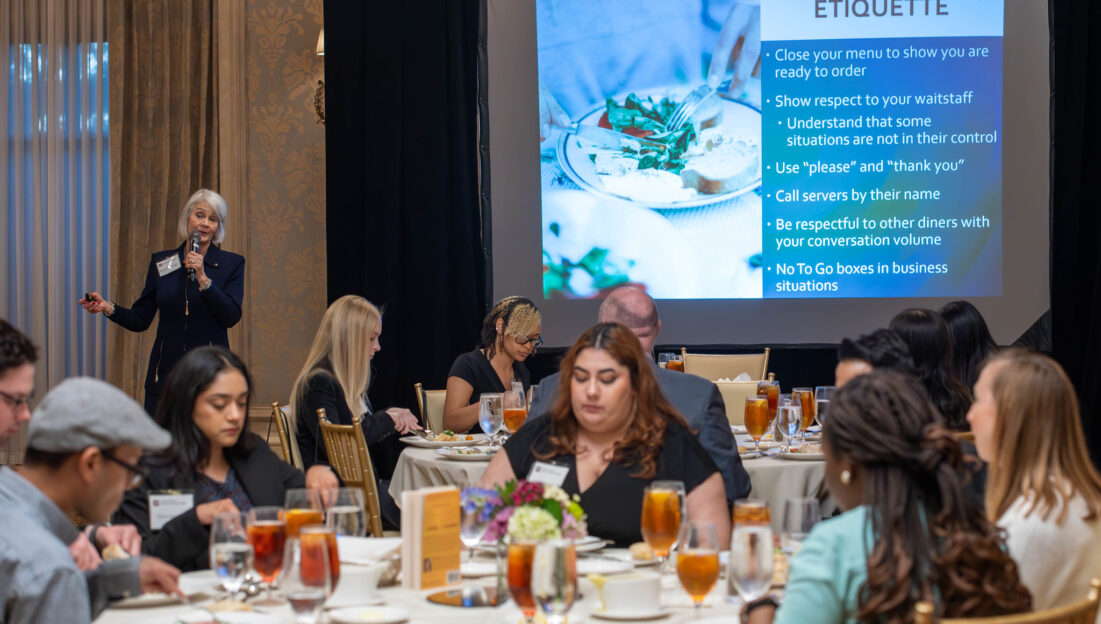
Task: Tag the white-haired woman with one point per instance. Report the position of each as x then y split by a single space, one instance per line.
198 293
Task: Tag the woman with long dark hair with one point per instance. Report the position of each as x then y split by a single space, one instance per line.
926 333
909 532
510 333
213 454
616 433
972 343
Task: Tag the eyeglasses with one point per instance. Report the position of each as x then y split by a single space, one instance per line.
16 402
138 473
538 340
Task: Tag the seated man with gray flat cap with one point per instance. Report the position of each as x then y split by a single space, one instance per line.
696 398
83 446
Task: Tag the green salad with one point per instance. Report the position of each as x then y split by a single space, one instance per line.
647 119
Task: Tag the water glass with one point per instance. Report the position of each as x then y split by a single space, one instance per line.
345 513
554 579
491 413
307 580
822 396
800 516
473 526
698 561
230 552
749 575
790 419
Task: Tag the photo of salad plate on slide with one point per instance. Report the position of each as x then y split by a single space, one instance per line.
713 156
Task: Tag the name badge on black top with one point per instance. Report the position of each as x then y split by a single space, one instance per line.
548 474
165 505
168 265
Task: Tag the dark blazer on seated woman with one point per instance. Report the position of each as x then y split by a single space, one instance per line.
323 391
262 479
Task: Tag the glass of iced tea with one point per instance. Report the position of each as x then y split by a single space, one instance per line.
756 418
804 398
315 534
771 391
751 512
672 361
307 582
698 561
302 507
267 533
515 409
521 553
662 513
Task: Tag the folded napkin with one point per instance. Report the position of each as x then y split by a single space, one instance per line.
742 377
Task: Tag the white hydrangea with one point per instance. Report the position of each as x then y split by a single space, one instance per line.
533 523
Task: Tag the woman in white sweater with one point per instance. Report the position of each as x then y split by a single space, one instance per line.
1042 488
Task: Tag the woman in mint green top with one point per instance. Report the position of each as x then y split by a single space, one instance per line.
909 532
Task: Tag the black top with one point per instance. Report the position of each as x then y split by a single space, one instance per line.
613 502
189 317
474 368
323 391
183 541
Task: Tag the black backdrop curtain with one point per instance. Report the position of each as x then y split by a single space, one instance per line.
1075 218
403 223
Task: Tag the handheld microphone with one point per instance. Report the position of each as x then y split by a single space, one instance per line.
194 247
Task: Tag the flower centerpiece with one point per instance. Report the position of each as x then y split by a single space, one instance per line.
530 510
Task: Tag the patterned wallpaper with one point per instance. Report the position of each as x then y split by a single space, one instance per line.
286 191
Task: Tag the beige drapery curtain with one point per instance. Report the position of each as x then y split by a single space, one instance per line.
54 176
177 125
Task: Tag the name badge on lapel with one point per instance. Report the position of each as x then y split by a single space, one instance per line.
168 265
167 504
548 474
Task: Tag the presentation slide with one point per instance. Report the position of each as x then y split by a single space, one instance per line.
781 149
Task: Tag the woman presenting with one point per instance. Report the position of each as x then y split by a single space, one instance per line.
198 293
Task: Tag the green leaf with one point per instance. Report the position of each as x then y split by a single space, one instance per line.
593 260
553 508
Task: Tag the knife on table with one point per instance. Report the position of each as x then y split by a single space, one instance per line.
602 137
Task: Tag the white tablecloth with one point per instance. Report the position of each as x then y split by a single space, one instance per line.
673 597
773 479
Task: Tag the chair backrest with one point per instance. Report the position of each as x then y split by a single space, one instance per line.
734 394
287 441
348 456
726 366
1081 612
430 403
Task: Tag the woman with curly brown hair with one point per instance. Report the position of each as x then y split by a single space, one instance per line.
1043 489
615 433
909 532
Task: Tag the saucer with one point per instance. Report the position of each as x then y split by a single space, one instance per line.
628 616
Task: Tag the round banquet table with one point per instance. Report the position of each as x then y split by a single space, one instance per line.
772 478
673 598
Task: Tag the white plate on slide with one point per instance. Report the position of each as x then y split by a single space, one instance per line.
575 154
419 442
204 582
640 244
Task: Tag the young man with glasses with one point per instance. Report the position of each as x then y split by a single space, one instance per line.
17 358
83 445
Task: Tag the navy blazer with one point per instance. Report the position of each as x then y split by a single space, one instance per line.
701 404
183 541
189 318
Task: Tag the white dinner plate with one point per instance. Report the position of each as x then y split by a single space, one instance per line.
738 430
606 567
630 241
801 456
419 442
588 543
203 582
575 155
629 616
223 617
374 615
470 453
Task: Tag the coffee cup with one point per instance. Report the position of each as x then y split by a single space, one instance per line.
631 593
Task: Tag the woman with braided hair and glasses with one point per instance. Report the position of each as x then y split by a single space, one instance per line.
510 333
908 532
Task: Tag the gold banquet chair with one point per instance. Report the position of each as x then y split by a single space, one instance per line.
1081 612
348 456
726 366
734 394
430 403
287 441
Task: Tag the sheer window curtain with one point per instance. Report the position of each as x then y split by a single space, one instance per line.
55 175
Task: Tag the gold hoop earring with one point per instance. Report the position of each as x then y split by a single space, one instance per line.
846 477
